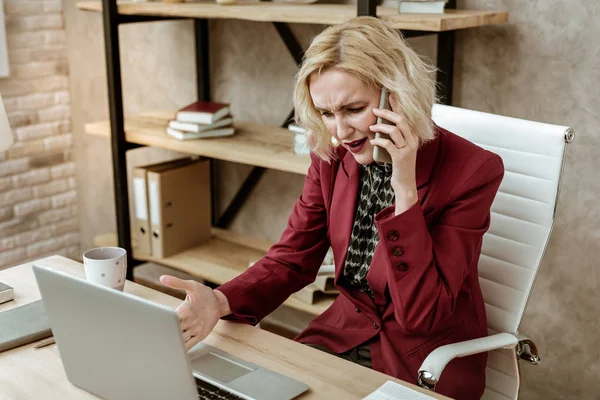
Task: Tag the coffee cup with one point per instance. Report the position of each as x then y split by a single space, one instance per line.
106 266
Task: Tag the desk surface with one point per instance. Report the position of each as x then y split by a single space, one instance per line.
27 373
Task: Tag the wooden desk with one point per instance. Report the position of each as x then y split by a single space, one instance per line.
27 373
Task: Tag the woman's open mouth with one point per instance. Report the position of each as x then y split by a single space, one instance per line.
357 145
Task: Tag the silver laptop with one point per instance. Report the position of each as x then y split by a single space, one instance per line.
119 346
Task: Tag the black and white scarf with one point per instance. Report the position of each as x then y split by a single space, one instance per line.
375 194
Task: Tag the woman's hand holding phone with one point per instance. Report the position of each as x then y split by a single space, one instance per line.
380 154
393 134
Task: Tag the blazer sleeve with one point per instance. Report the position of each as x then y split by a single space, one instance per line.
426 268
291 264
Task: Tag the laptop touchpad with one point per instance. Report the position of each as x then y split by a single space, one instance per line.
218 368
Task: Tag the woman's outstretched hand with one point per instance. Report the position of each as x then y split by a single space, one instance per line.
403 148
200 311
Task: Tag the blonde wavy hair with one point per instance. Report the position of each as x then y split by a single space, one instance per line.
378 55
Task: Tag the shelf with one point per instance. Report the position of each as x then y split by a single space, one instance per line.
254 144
223 258
328 14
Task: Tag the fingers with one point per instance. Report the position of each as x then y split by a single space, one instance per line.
176 283
386 144
187 331
391 116
400 122
192 337
186 325
185 315
189 340
194 340
393 131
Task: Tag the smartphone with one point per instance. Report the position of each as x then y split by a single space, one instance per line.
381 155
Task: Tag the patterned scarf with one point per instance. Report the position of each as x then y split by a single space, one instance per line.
375 194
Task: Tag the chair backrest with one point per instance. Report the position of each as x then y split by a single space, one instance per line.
521 222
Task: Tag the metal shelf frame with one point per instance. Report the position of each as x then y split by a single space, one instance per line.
119 145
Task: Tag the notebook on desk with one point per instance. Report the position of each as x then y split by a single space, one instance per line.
22 325
119 346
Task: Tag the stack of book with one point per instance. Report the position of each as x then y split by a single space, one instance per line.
421 6
201 119
300 139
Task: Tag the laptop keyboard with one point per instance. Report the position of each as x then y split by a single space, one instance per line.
211 392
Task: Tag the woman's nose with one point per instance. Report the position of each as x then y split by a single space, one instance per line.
343 129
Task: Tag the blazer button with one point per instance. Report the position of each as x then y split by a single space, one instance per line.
401 266
398 251
357 309
393 235
375 325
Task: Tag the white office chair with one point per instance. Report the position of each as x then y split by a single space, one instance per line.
522 219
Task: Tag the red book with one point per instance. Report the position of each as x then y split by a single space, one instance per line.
202 112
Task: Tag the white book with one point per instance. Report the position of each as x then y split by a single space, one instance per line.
196 128
177 134
421 7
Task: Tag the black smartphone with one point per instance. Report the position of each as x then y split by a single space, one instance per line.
381 155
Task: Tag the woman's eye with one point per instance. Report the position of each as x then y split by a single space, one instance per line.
356 110
326 114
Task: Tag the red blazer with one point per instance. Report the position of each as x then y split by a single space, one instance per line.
423 273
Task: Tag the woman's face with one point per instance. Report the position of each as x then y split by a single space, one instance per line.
346 107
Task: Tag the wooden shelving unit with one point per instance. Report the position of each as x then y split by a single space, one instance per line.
262 146
327 14
254 144
227 254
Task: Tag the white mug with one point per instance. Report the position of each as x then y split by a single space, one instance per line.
106 266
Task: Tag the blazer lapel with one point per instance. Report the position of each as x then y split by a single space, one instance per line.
343 207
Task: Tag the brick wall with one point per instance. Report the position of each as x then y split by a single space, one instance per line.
38 191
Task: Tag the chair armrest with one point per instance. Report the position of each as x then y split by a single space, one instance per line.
436 361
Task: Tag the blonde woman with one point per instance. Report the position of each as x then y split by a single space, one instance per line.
406 236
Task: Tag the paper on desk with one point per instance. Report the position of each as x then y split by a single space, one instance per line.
394 391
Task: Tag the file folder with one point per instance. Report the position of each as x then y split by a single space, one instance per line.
142 229
180 207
